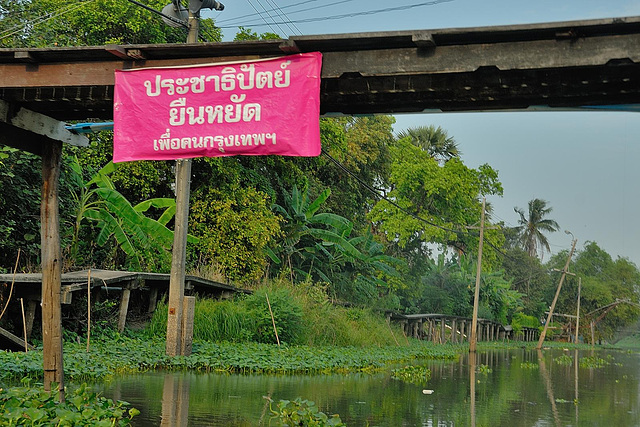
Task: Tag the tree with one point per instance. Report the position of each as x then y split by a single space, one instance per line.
438 200
46 23
529 277
533 225
433 140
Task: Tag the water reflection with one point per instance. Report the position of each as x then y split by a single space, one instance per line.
491 388
472 387
175 401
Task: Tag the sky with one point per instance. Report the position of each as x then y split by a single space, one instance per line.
584 164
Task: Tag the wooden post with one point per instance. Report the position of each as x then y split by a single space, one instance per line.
124 308
476 295
555 298
31 315
153 300
51 269
188 312
454 331
578 311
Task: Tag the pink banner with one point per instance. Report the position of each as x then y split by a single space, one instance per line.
252 108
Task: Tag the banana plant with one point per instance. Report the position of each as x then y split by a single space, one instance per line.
308 235
136 234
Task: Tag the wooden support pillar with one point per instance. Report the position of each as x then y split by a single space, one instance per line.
421 329
153 299
30 315
51 268
463 324
124 308
454 331
442 330
188 312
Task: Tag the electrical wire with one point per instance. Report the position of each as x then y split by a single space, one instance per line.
253 15
411 214
348 15
385 198
43 18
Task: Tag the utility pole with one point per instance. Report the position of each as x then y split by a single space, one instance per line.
578 310
555 298
175 321
476 297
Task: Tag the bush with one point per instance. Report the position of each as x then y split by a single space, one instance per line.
521 320
287 313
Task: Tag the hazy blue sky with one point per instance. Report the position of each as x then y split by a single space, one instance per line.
584 164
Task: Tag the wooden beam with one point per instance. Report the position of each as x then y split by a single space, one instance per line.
51 269
39 124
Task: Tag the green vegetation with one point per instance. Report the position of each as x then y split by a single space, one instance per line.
135 355
594 362
30 405
302 413
529 365
306 233
419 375
564 360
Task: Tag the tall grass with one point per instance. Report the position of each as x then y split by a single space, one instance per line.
302 313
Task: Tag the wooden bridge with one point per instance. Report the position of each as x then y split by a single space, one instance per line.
443 328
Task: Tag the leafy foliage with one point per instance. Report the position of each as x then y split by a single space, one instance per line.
419 375
29 405
300 412
143 239
442 198
90 23
287 315
233 229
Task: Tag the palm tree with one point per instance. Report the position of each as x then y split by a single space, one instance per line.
433 140
531 228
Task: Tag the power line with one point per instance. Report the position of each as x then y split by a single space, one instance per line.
288 7
43 18
411 214
349 15
385 198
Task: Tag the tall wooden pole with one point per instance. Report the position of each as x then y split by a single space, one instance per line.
555 298
51 268
578 310
178 261
476 297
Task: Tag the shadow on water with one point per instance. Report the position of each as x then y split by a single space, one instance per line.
493 388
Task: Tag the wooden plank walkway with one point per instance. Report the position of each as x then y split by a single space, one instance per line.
442 328
29 287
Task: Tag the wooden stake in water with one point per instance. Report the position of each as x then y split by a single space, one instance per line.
272 319
88 309
24 326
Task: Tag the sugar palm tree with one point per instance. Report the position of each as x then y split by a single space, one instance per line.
533 225
433 140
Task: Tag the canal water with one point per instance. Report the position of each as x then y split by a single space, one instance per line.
520 387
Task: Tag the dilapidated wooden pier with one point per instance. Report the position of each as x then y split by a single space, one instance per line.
149 287
442 328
